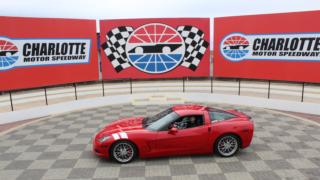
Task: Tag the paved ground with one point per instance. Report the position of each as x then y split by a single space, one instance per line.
5 127
60 148
314 118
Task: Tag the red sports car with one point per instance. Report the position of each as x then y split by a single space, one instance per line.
179 130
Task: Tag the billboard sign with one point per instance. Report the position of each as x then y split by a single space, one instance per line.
155 48
282 46
37 52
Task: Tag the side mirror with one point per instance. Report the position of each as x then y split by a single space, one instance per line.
173 130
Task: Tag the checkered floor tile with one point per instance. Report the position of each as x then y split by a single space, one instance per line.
60 148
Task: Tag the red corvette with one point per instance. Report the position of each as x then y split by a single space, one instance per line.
179 130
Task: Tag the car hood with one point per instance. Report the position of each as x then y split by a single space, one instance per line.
126 124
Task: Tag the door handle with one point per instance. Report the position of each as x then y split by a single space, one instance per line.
209 129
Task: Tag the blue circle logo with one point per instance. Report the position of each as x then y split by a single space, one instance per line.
8 54
155 48
235 47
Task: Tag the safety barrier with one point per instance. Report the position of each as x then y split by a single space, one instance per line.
17 100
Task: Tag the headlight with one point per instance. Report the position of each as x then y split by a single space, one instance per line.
103 139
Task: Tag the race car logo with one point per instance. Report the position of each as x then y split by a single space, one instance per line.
8 54
155 48
235 47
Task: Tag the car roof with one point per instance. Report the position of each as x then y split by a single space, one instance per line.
188 107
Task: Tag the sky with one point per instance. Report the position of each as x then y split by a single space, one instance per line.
123 9
113 9
102 9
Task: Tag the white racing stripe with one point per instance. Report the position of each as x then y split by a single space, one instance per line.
115 136
120 135
123 135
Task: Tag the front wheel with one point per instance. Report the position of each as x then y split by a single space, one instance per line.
227 145
123 152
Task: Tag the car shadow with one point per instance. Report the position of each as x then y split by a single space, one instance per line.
161 160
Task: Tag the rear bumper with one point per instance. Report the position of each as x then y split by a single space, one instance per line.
246 141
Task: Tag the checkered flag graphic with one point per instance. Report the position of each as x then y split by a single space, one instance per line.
195 46
114 47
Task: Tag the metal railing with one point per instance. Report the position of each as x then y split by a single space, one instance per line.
209 85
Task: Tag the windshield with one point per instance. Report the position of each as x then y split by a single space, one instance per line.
160 120
148 120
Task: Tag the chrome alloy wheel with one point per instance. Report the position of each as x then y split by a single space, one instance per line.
123 152
227 146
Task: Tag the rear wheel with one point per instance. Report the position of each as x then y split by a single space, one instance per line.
166 50
123 151
227 145
8 54
139 50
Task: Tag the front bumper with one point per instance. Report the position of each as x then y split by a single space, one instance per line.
100 149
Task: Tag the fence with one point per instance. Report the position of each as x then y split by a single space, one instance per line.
17 100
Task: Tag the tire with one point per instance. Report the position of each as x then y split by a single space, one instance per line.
139 50
227 145
166 49
123 152
8 54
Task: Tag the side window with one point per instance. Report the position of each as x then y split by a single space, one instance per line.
186 122
219 115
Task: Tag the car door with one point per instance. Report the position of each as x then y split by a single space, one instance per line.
184 141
